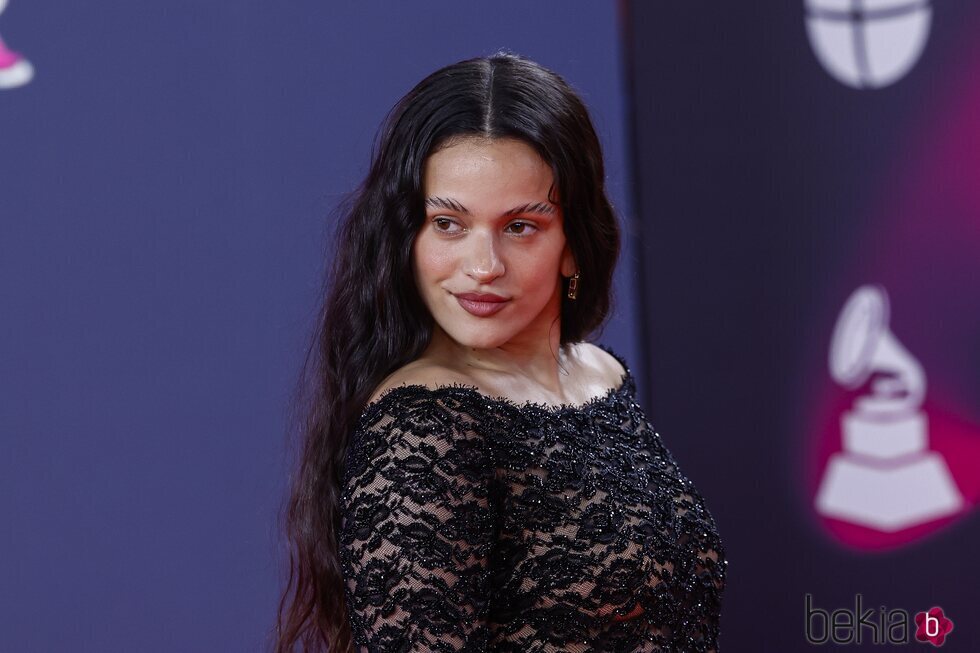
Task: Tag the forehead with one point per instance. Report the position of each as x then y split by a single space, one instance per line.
484 169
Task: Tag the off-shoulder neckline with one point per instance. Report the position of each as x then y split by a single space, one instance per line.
465 390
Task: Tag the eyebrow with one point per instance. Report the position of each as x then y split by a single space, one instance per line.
452 205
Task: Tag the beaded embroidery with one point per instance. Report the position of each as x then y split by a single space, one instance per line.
473 523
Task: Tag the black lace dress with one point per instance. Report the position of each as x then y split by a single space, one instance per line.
473 523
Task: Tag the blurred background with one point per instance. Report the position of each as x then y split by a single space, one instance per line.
798 294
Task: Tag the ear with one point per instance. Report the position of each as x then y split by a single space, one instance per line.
568 265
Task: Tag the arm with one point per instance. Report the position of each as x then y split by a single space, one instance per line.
417 529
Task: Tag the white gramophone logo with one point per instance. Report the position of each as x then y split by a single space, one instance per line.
885 478
868 43
15 70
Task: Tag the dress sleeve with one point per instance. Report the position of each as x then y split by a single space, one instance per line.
417 526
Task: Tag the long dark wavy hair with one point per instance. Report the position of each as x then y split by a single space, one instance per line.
373 320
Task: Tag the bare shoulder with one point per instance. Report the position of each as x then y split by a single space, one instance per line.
600 371
419 372
610 369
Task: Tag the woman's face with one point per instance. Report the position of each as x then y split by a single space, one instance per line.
490 228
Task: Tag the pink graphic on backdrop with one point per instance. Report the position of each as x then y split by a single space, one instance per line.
895 467
923 246
15 69
886 477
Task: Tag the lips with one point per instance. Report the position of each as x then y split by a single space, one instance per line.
481 304
481 297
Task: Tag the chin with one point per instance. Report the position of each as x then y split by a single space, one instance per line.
477 340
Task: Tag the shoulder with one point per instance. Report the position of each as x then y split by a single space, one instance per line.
606 365
419 373
418 439
412 428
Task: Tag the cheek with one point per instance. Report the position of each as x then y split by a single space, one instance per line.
539 262
431 261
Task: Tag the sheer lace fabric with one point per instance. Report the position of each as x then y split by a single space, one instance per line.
472 523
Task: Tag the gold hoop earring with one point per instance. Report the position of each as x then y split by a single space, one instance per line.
573 286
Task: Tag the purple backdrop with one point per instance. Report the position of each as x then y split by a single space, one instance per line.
165 185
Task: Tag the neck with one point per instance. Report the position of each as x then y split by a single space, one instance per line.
543 361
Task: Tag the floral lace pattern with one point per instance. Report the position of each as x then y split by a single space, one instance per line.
473 523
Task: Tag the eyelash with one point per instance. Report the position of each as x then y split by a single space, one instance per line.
521 222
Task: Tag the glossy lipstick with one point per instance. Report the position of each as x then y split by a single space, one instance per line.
481 305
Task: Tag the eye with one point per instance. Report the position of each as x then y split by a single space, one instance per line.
439 222
524 225
444 225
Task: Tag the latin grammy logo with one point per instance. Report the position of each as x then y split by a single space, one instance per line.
868 43
886 478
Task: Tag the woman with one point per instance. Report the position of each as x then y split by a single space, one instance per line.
475 475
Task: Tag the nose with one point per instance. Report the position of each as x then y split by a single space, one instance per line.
483 263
